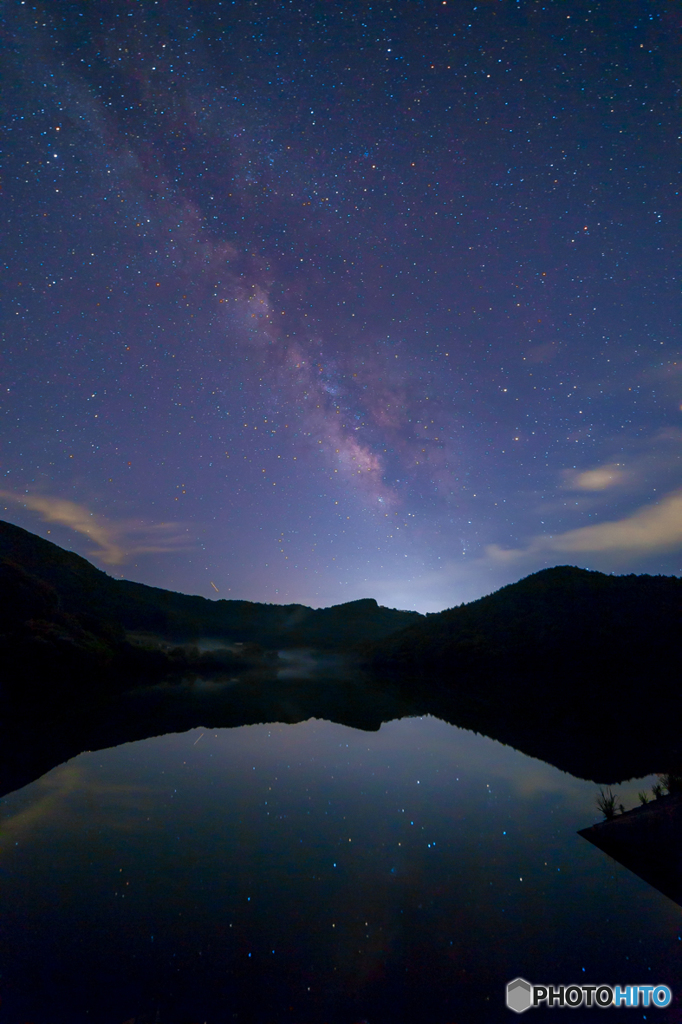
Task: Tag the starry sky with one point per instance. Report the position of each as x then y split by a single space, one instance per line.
314 301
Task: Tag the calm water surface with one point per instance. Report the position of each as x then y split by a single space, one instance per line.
314 873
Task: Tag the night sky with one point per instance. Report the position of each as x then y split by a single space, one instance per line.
316 301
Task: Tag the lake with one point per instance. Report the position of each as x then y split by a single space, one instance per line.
315 873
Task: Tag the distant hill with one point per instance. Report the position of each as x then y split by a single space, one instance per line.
80 587
66 630
557 622
564 657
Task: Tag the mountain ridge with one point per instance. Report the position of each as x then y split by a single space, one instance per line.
573 666
82 587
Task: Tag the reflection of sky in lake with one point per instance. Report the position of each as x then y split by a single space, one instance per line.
313 873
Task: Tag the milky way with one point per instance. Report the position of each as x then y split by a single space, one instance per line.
311 302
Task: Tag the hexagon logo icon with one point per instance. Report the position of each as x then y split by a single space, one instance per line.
519 995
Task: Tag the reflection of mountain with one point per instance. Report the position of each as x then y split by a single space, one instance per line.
336 692
29 749
567 664
648 841
556 665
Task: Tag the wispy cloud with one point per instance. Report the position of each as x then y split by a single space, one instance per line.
116 543
599 479
651 529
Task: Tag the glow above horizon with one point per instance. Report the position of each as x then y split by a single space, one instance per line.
366 303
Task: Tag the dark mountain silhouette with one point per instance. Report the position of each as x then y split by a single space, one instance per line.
83 589
564 621
64 625
561 664
577 668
